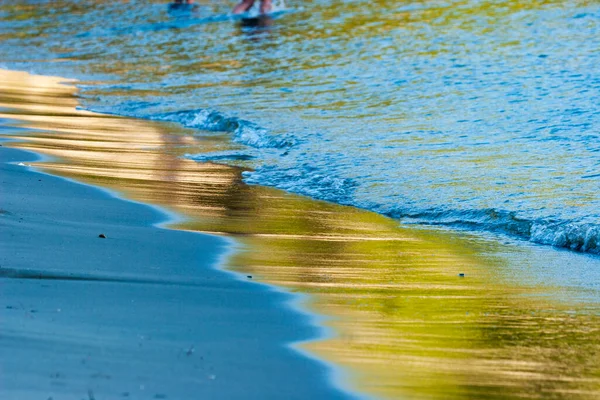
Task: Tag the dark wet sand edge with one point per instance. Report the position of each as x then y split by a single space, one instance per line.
109 317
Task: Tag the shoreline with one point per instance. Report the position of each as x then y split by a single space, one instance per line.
146 311
391 294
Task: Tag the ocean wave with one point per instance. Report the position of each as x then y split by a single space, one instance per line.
578 237
572 235
305 180
310 181
244 132
313 182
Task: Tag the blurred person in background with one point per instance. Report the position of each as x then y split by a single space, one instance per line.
245 5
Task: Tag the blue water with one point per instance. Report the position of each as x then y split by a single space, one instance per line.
480 115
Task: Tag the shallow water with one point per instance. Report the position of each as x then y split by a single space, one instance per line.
481 115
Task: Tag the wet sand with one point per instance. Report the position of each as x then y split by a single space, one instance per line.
521 323
142 313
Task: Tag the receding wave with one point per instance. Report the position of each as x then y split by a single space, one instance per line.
244 132
312 182
305 180
581 237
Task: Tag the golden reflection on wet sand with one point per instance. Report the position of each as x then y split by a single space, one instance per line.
406 324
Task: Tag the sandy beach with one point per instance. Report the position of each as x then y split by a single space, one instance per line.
147 312
143 313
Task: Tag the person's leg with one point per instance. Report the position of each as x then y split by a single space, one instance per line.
265 6
243 6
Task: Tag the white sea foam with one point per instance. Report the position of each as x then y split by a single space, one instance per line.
304 180
242 131
581 237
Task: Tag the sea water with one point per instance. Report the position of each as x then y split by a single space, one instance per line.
478 115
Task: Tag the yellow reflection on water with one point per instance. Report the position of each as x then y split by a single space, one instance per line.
406 324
